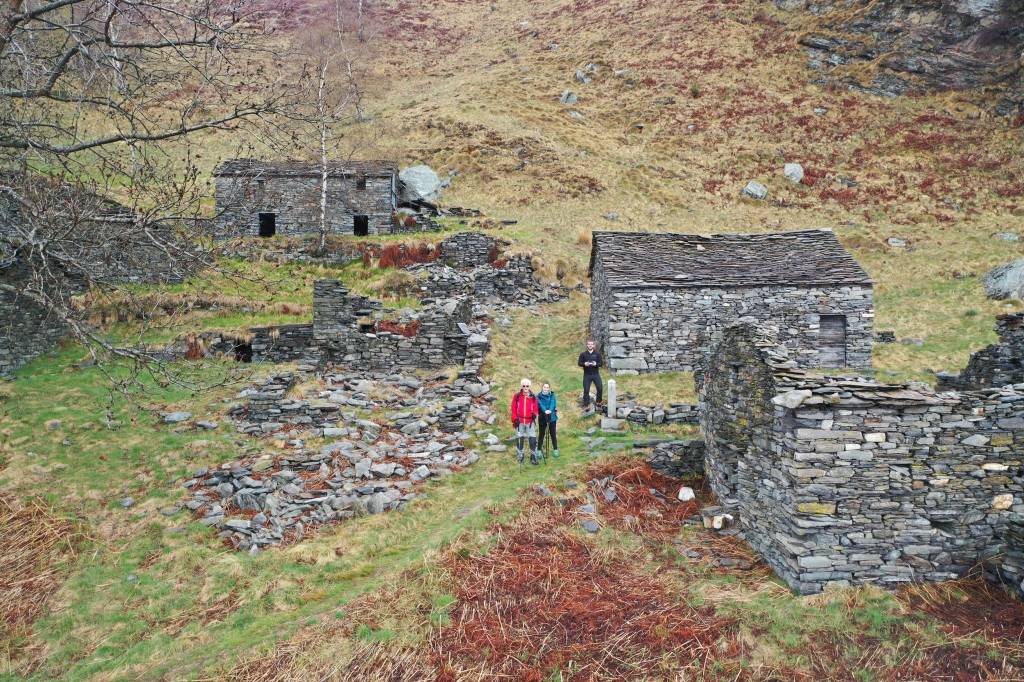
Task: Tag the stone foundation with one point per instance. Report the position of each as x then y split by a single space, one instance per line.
343 333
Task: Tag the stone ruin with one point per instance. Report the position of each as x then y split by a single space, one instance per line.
473 264
385 434
346 332
1000 364
842 481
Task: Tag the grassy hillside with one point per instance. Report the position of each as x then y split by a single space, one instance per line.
687 101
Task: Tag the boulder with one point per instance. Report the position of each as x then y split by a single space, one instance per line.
420 183
1006 281
568 97
794 172
755 190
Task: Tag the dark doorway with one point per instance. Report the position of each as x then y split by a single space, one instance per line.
268 224
832 341
360 225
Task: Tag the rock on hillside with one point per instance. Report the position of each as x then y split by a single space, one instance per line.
920 46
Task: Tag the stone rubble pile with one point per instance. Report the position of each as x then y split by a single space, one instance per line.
366 467
510 284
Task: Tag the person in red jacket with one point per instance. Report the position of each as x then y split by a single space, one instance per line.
524 419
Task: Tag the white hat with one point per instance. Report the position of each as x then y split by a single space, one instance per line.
524 383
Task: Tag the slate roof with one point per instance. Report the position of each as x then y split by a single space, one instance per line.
304 169
657 260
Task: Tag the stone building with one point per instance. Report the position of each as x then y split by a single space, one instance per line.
264 198
843 481
659 301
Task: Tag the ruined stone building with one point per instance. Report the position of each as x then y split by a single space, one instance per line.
265 198
346 332
660 300
842 481
58 239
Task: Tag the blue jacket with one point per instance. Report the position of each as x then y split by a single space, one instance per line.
548 402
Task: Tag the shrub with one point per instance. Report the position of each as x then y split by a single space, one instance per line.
407 330
402 255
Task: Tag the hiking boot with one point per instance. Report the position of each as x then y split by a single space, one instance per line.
519 456
534 457
554 453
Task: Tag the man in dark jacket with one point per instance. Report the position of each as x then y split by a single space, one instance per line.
591 361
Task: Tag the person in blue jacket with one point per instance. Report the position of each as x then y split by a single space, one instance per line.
548 417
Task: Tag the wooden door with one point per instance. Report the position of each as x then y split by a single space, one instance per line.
832 341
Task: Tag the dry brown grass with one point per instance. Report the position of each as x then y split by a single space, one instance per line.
38 545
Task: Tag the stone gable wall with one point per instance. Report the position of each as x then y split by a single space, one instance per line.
662 330
296 201
851 481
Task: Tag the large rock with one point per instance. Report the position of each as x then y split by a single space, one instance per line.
1006 281
421 183
755 190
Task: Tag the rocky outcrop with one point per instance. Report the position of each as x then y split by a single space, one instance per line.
919 46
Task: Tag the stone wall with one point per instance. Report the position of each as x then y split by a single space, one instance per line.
841 481
26 332
1006 567
997 365
283 343
661 330
471 249
679 458
295 200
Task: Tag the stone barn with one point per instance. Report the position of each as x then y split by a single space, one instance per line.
845 480
660 300
265 198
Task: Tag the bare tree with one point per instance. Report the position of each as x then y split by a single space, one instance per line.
338 101
102 98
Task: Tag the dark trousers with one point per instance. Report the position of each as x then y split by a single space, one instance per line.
552 428
588 380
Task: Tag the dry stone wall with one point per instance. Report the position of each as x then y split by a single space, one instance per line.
471 249
997 365
26 332
849 481
661 330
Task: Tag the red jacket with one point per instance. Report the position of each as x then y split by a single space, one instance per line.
524 409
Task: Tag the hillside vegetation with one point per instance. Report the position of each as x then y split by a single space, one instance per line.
685 101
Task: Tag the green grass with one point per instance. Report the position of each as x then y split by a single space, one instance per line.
143 572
